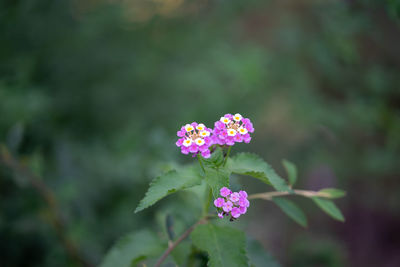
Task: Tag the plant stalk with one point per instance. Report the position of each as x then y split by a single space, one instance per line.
227 155
208 201
180 239
304 193
201 163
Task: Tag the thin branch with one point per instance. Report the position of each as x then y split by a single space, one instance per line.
227 155
305 193
56 218
201 163
209 197
179 240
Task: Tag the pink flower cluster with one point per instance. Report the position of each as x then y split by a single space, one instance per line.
195 138
231 203
232 128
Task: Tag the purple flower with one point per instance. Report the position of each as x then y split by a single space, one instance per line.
219 125
179 142
233 204
193 148
230 141
184 150
225 192
243 202
235 212
206 154
246 138
203 148
243 193
227 207
229 116
238 138
219 202
250 127
245 121
234 197
243 210
231 129
195 138
181 133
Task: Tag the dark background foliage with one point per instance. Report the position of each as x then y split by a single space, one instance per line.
92 93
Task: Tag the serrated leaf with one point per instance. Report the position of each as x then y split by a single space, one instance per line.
225 246
333 192
291 171
329 207
169 183
216 179
253 165
258 257
134 247
291 210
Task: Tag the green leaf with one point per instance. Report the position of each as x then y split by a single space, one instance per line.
181 253
169 183
258 257
225 246
134 247
329 207
333 192
253 165
216 159
216 179
291 210
291 170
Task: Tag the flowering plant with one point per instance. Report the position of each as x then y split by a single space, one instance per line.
210 180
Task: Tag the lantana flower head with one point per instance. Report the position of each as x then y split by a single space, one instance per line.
195 138
231 204
232 128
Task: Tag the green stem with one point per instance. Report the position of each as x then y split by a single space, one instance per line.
304 193
208 201
172 246
227 155
201 163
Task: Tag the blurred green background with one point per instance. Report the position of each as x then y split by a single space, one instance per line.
92 93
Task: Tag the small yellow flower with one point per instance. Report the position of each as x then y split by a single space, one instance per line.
199 142
200 127
225 120
204 133
187 142
231 132
237 117
242 130
189 128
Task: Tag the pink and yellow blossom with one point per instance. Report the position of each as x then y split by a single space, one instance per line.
231 129
195 138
